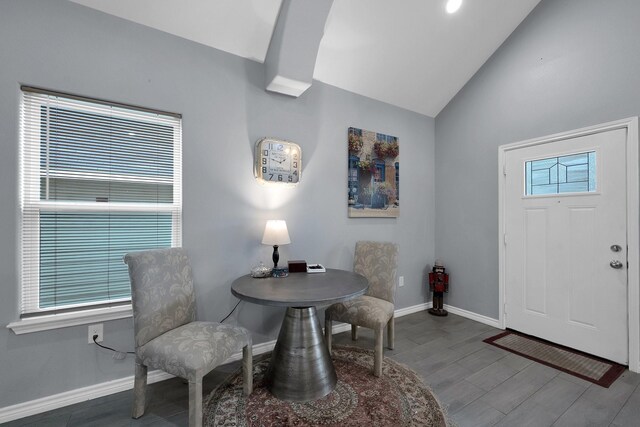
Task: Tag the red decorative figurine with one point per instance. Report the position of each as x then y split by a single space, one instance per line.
438 283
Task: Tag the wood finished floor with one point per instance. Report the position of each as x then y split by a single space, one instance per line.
481 385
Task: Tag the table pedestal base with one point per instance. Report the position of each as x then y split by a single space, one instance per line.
301 368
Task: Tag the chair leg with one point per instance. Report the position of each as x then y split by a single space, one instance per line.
354 332
139 390
247 369
390 333
195 403
378 352
328 335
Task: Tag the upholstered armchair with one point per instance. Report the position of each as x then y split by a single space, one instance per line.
378 262
167 335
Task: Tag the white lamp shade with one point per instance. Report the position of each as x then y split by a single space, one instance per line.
276 233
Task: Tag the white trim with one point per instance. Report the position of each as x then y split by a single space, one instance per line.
339 327
633 243
473 316
31 173
257 349
62 206
490 321
63 320
413 309
83 394
287 86
77 395
106 177
633 224
32 407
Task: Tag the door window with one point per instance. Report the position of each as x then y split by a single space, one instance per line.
574 173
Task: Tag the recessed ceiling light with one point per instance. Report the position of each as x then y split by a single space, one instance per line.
453 5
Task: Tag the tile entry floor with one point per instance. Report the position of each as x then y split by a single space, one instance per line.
480 385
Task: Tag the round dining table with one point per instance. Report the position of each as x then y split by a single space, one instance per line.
300 368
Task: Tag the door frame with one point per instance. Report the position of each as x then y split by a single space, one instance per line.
633 221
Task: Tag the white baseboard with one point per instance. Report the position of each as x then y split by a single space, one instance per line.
413 309
37 406
344 327
261 348
473 316
77 395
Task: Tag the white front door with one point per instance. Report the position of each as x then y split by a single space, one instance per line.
566 242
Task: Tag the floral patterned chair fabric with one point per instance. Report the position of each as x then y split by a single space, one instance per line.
168 337
378 262
193 350
365 311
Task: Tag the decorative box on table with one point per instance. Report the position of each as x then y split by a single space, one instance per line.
297 266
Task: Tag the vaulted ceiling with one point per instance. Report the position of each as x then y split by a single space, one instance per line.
409 53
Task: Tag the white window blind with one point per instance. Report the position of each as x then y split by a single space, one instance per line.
98 180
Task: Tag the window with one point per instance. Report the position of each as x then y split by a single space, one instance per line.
573 173
378 172
353 175
98 180
381 137
397 180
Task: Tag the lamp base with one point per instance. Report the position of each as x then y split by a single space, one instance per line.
280 272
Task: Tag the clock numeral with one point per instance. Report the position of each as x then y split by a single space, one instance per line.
277 161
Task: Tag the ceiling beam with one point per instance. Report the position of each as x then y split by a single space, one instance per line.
291 57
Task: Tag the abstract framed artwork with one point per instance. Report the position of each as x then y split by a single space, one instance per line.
373 180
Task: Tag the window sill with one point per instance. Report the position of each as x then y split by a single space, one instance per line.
63 320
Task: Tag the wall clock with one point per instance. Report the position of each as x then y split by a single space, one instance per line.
277 162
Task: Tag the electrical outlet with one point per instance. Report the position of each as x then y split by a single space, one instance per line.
401 281
95 330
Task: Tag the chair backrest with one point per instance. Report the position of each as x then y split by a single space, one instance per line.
378 262
161 292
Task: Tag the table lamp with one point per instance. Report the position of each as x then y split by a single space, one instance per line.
276 234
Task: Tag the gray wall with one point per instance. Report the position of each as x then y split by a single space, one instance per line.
63 46
570 64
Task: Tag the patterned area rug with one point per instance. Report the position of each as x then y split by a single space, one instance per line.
399 398
581 365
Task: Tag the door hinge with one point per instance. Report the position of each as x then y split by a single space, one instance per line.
504 169
504 236
504 308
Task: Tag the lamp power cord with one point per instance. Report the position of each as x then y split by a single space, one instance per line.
120 355
231 312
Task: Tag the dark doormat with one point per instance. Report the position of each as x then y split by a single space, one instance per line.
590 368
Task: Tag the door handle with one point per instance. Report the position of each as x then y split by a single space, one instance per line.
615 264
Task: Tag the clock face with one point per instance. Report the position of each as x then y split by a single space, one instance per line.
277 161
